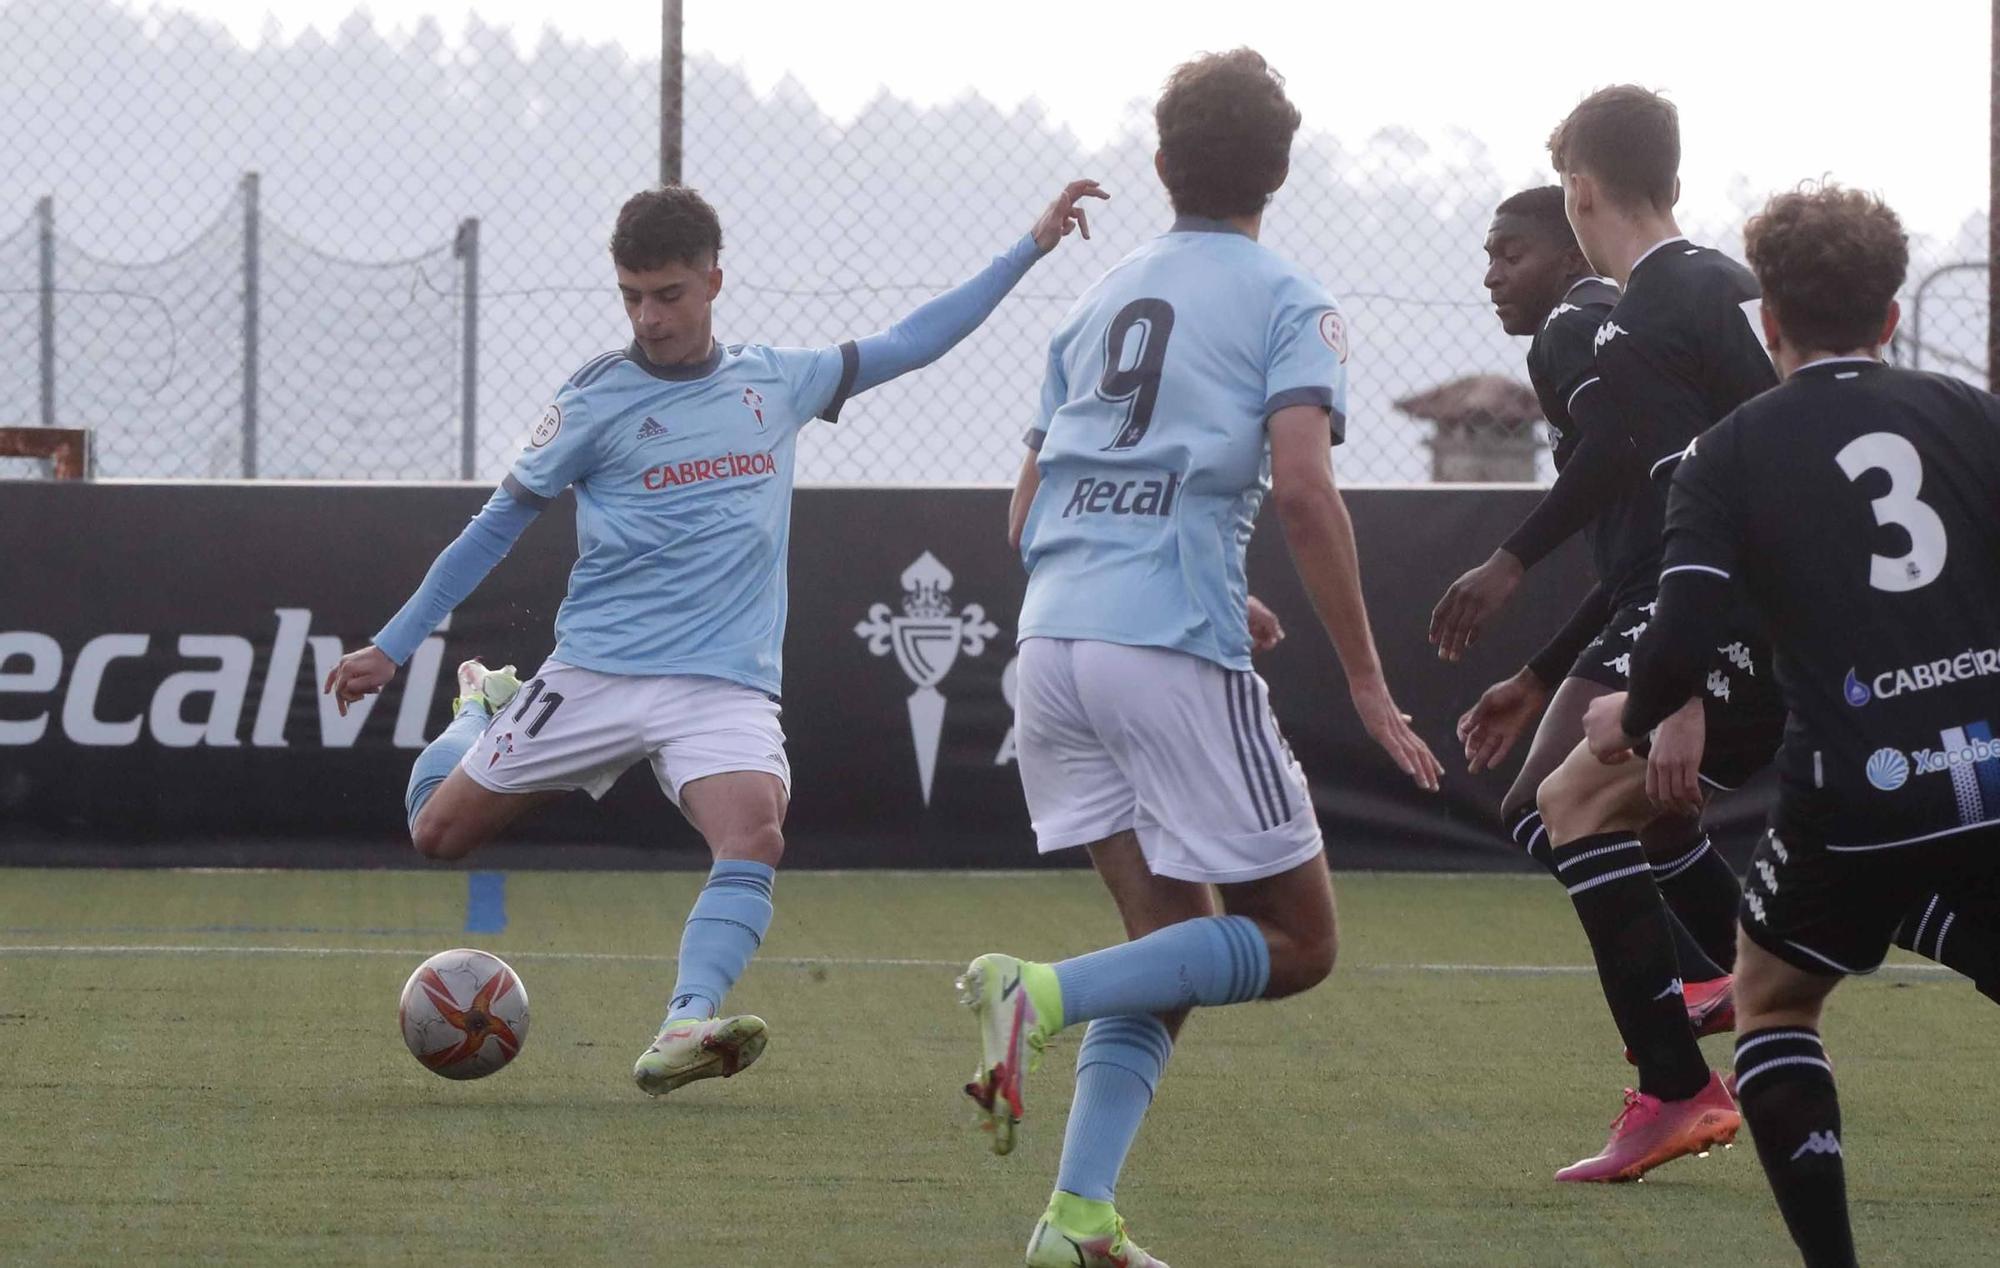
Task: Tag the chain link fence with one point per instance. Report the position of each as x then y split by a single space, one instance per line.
374 254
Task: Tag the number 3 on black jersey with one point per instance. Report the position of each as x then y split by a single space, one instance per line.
1900 506
1138 386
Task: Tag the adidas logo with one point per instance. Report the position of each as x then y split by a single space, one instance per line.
651 428
1818 1143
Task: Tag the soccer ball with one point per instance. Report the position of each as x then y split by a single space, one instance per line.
464 1013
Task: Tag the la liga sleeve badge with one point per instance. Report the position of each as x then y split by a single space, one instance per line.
1333 329
551 423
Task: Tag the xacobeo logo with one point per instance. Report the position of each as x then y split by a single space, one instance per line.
1888 769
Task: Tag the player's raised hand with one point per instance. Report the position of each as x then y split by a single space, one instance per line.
1462 614
1065 214
359 674
1266 631
1673 766
1389 727
1505 711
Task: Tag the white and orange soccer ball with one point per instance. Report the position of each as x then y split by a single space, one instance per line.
464 1013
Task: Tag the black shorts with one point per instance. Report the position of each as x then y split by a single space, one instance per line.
1837 911
1744 713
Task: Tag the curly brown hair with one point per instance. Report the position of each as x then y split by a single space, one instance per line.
1625 137
1830 261
669 225
1226 131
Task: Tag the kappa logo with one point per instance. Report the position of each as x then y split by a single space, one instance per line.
1818 1143
1739 656
1718 685
1560 309
1622 663
754 402
1769 875
926 639
1673 988
1607 332
651 429
1635 631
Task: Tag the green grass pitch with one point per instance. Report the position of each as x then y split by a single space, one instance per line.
229 1087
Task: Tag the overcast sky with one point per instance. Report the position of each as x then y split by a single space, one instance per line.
1891 97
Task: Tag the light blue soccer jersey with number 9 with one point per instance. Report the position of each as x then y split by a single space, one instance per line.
1154 457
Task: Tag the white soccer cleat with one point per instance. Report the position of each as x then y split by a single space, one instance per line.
490 687
692 1049
1053 1247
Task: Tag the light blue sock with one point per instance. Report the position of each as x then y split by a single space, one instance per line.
1117 1068
440 756
723 931
1213 960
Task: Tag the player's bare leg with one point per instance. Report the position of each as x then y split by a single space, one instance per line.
741 814
1786 1088
463 815
1594 814
1556 737
1147 902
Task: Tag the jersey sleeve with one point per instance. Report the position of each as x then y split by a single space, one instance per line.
1703 532
1689 615
818 379
561 450
1562 360
1306 358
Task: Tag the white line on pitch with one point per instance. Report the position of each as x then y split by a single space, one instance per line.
791 961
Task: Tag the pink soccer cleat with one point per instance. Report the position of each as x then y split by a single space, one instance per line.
1650 1131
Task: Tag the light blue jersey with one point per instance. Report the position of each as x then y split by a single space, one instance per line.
683 479
1154 457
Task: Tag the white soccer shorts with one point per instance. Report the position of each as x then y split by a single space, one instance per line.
1177 748
576 728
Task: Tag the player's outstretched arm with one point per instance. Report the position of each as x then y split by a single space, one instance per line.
453 576
935 327
1507 709
1588 483
1321 538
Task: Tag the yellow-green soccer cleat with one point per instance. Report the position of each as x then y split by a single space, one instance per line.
1055 1246
490 687
1019 1006
692 1049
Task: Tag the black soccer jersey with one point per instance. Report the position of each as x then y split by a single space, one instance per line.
1681 349
1601 483
1858 508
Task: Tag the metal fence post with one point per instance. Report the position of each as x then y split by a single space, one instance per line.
251 287
466 248
670 91
45 220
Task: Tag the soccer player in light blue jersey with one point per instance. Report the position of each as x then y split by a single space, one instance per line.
1200 373
680 450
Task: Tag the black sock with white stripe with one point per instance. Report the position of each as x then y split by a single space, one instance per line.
1785 1086
1937 930
1700 886
1611 885
1524 826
